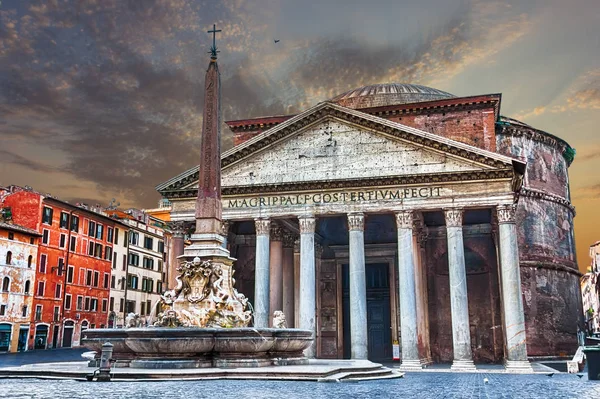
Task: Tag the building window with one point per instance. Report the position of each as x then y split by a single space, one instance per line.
124 262
91 229
63 239
112 304
61 266
130 306
134 259
57 291
2 310
106 276
75 223
148 243
160 264
5 284
87 303
27 287
64 220
43 263
8 258
91 249
109 234
79 302
73 244
134 238
122 283
144 284
114 261
96 278
159 287
47 215
98 251
116 236
104 305
11 235
70 272
45 236
112 282
94 305
40 290
132 281
150 285
99 231
121 304
107 253
29 261
142 308
56 313
88 278
24 311
32 240
38 313
161 247
68 301
148 263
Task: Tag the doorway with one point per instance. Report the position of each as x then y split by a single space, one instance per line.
23 336
41 336
67 341
55 336
379 323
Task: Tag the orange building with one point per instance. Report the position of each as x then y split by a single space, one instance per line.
71 290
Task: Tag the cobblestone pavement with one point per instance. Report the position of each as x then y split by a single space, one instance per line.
42 356
414 385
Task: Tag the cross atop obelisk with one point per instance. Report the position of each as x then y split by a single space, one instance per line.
207 240
213 49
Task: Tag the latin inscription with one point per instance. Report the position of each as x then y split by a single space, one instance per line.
328 198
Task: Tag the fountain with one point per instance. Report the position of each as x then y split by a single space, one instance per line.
203 322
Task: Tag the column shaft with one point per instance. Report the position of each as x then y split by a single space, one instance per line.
275 271
459 303
308 280
288 279
407 291
358 289
512 300
261 273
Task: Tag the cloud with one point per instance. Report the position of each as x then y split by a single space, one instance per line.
15 159
583 94
115 87
591 192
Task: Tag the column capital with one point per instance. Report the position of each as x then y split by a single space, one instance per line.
404 219
288 239
356 222
307 224
506 213
422 237
178 228
454 217
262 226
276 232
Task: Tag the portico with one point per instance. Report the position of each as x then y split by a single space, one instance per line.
393 227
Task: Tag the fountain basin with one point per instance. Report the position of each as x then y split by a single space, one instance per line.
165 347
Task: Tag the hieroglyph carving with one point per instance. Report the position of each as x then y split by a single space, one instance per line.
506 213
454 217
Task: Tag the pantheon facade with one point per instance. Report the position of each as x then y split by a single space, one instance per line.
401 214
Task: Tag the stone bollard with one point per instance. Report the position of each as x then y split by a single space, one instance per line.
104 372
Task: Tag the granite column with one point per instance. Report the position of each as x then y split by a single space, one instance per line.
288 278
308 297
261 272
275 271
459 302
358 289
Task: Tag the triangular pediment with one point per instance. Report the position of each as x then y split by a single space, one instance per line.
333 143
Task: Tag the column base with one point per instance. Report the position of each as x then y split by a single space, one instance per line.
411 365
463 365
518 366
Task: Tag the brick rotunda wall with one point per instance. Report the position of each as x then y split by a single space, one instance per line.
549 273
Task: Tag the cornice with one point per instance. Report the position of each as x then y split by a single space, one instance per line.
542 195
401 180
538 136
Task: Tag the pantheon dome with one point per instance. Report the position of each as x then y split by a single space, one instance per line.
380 95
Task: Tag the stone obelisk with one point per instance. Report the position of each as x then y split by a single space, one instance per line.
207 241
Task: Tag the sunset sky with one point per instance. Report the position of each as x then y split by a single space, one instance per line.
103 99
